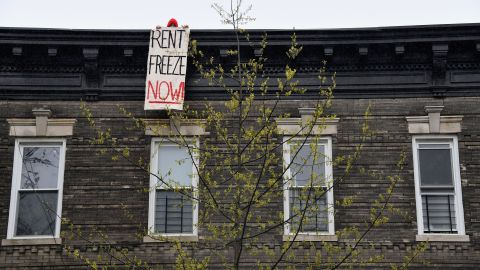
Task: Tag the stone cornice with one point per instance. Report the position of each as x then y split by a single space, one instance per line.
373 35
98 65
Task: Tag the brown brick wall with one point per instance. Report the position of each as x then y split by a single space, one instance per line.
99 191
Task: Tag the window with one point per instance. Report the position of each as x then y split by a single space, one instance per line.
37 184
437 185
173 209
308 191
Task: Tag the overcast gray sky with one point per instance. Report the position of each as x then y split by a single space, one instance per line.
269 14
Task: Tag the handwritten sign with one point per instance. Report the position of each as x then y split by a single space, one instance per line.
166 68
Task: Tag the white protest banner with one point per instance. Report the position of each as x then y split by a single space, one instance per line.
166 68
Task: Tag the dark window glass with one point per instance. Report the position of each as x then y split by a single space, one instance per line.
316 213
435 167
439 214
36 213
173 212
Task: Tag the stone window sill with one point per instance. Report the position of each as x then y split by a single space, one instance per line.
31 241
442 238
311 238
166 238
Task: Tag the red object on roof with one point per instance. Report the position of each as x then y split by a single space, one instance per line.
172 23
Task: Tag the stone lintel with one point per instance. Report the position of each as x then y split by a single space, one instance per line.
293 126
29 127
422 124
168 127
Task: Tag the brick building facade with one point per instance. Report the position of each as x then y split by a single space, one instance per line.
422 84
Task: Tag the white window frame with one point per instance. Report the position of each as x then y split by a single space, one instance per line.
452 141
327 143
16 182
154 184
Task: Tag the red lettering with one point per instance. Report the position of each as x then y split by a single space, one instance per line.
154 91
168 90
171 95
179 92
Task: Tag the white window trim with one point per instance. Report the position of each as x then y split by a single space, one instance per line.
327 142
16 181
154 183
453 142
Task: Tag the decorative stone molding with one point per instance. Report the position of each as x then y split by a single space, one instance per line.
17 51
41 126
223 52
90 53
169 127
442 238
92 74
297 126
258 52
363 50
128 52
399 49
274 69
434 123
439 63
52 51
328 51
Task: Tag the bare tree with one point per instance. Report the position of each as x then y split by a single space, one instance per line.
247 166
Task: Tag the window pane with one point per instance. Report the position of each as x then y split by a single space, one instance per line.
36 213
439 213
173 212
316 215
40 167
307 164
175 165
435 167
